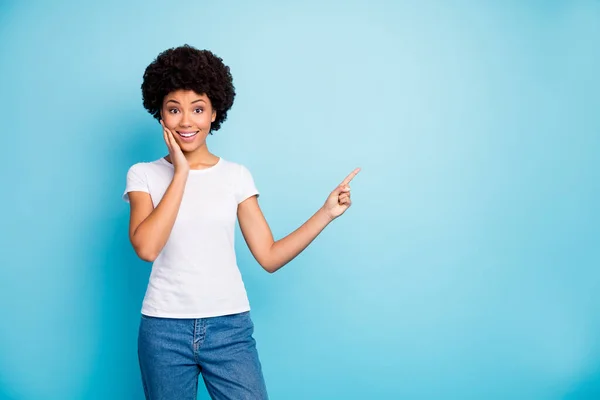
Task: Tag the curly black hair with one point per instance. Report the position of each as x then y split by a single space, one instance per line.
188 68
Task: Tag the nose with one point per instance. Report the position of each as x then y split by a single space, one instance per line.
185 120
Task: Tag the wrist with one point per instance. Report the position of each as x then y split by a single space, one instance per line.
324 216
180 175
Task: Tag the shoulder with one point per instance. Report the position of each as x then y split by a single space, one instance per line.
229 164
241 179
137 167
143 167
150 172
234 167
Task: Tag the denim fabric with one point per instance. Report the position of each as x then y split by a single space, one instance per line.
174 352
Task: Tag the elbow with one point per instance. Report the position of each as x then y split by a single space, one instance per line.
147 257
268 266
269 260
145 253
270 270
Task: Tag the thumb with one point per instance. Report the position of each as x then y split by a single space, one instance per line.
341 189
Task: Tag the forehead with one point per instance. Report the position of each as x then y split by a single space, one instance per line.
183 96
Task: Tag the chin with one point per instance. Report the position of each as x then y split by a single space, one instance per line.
191 147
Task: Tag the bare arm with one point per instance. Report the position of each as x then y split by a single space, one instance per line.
271 254
149 227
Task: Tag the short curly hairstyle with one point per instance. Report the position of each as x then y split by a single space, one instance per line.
188 68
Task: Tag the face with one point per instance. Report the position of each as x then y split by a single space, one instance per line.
188 115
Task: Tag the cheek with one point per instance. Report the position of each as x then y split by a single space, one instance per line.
204 120
170 120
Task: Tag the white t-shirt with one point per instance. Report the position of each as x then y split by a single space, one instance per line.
196 274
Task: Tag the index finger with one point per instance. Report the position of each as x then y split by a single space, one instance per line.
351 176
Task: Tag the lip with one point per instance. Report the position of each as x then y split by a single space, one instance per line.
187 139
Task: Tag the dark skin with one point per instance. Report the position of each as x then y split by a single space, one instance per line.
186 118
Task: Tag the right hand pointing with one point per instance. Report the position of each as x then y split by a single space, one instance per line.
180 163
339 200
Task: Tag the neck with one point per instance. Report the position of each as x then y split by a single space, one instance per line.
199 158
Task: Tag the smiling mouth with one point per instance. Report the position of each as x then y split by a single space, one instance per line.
187 135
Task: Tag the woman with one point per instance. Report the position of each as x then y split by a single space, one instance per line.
195 314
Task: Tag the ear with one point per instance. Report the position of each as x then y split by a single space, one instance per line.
214 116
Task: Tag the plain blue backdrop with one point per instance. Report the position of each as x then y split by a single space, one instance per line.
467 267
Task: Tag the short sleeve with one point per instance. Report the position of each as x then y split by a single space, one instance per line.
136 181
246 187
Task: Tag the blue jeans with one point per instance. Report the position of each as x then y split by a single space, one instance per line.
174 352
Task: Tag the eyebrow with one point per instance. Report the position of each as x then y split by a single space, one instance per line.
195 101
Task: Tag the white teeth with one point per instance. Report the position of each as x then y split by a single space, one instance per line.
188 135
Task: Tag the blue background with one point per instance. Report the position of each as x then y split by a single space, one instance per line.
467 267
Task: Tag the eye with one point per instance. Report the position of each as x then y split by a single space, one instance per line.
198 110
173 111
